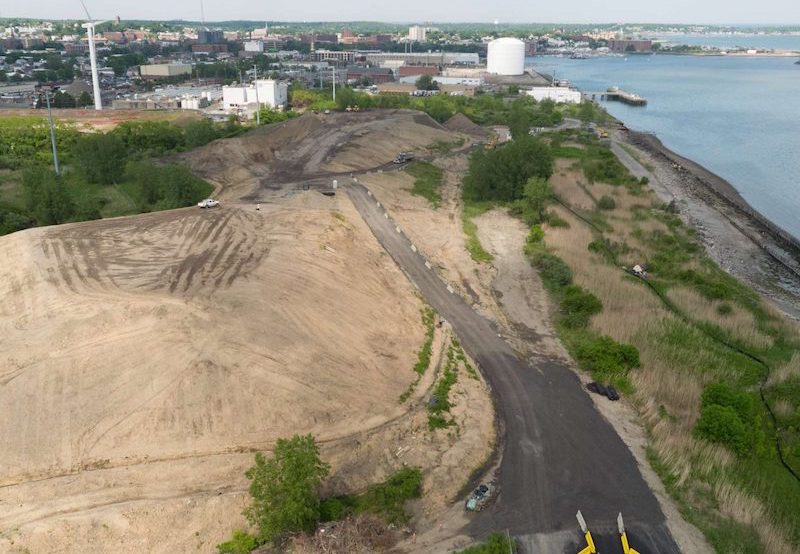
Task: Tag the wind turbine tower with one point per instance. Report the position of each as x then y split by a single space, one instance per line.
90 27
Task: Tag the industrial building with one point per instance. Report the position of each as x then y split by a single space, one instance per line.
347 56
266 92
170 98
506 56
423 58
559 95
164 70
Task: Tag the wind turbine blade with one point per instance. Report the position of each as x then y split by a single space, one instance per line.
96 23
89 17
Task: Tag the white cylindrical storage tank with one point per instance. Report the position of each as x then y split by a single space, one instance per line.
506 56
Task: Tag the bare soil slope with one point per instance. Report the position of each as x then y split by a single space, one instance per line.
312 149
191 333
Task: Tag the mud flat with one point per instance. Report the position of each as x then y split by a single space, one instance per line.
737 237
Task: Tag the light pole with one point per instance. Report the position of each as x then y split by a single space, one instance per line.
52 132
258 105
334 82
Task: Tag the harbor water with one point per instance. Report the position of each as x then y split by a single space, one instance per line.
737 116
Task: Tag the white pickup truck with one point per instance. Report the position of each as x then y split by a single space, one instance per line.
208 203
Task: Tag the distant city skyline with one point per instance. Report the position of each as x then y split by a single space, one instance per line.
716 12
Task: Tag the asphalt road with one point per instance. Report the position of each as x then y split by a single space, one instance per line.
559 454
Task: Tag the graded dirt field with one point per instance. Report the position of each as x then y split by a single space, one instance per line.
144 359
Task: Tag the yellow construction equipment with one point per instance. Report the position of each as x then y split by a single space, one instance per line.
590 548
492 144
623 537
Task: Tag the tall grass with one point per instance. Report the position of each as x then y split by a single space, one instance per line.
743 503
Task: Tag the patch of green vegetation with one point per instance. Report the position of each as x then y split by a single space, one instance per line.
471 210
427 181
240 543
445 147
424 354
386 499
103 174
440 400
285 490
496 543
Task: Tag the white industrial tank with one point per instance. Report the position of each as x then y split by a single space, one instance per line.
506 56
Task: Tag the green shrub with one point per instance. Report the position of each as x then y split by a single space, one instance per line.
386 499
606 203
578 306
554 272
720 424
241 543
604 354
725 309
554 220
730 417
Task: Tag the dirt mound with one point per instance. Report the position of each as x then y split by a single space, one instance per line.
460 123
177 335
311 149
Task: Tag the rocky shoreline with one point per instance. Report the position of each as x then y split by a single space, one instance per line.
736 236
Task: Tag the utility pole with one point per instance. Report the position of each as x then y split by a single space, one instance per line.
258 105
52 133
334 82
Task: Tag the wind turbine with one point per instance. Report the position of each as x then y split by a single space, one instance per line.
90 26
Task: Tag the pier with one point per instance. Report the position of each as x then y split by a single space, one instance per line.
619 95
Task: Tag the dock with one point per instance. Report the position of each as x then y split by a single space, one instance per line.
619 95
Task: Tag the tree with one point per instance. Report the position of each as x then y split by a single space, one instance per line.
426 82
101 156
519 120
85 99
45 196
200 132
586 112
536 196
285 488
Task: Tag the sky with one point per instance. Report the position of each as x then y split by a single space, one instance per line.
785 12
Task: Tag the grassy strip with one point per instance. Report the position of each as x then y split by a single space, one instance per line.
444 147
440 402
471 210
427 181
731 413
424 354
496 543
386 499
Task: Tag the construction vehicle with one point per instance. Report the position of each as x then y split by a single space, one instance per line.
602 133
492 144
403 157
